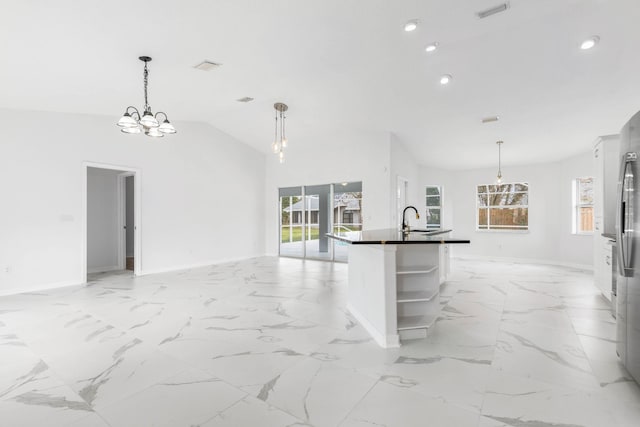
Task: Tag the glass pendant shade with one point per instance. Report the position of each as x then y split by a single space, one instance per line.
133 129
148 120
154 132
279 139
166 127
126 121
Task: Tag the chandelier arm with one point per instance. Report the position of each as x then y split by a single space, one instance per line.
163 113
135 110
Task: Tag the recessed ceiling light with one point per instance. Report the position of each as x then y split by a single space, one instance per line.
245 99
411 25
432 47
446 79
590 43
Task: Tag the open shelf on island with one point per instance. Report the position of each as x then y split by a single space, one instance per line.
416 296
416 322
416 269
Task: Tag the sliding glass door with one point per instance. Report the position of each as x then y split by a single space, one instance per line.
347 214
317 205
308 213
291 222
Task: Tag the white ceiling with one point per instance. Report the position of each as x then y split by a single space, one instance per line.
340 64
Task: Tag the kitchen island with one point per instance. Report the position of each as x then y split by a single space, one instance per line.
394 280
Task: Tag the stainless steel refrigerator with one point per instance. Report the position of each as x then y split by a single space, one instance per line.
628 248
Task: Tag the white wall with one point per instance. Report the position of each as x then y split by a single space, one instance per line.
202 195
404 165
102 220
549 238
332 158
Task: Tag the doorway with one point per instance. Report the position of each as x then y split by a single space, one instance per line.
111 237
127 196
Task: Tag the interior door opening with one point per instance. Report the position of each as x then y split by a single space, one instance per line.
111 238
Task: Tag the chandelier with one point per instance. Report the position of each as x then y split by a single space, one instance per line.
132 122
499 177
280 139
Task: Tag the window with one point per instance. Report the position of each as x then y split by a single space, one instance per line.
434 206
503 207
583 205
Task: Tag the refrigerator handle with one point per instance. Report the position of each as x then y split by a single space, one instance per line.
623 269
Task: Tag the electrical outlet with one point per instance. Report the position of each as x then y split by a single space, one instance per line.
5 269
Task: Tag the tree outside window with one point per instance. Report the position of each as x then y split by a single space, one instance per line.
583 221
434 207
503 207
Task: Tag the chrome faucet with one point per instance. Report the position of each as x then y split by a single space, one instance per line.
405 224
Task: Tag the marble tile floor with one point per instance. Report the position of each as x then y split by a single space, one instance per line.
268 342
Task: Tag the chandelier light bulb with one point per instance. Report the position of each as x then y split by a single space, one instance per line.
126 121
281 156
284 142
166 127
134 129
154 132
148 120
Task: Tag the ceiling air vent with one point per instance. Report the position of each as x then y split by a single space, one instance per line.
492 11
490 119
207 66
245 99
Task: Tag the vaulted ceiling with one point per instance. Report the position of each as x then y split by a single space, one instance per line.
340 65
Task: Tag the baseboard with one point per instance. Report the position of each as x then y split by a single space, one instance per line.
64 284
584 267
104 269
388 341
40 288
196 265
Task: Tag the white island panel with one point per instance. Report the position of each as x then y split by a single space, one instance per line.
372 291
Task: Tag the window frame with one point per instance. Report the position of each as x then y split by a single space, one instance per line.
427 206
495 228
577 205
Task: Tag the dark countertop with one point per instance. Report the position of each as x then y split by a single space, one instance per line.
392 236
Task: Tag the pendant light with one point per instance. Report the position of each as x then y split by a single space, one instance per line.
499 178
132 122
280 138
